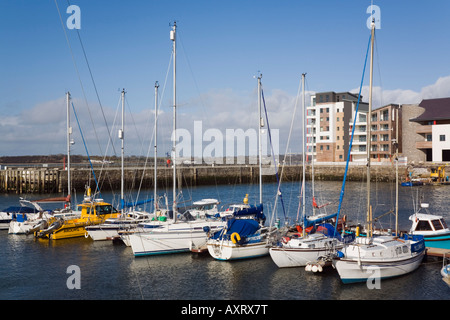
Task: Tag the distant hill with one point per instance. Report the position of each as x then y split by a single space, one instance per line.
38 159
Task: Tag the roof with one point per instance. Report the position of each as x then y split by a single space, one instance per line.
435 109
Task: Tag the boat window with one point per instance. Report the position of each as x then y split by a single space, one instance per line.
405 249
423 226
444 223
436 224
106 209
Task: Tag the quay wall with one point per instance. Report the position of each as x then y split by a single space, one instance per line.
48 180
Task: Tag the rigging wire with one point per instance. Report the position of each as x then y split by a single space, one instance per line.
351 139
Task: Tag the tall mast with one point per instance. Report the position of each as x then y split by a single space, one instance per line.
155 203
396 172
369 130
303 152
121 137
260 125
69 132
173 38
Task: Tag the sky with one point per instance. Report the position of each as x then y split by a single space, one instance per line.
222 46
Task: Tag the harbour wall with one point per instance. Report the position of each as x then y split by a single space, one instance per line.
54 180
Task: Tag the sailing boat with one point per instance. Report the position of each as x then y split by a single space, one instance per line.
243 238
379 256
173 236
128 219
301 248
70 224
29 222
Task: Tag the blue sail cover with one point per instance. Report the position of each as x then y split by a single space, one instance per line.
328 230
124 204
256 211
309 223
244 227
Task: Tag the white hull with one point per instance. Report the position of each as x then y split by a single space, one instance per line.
102 233
109 231
351 271
172 238
290 257
385 257
5 219
227 250
16 227
298 252
4 225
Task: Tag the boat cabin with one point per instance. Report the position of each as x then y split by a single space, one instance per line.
98 208
423 223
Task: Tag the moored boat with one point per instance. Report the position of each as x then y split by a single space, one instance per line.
93 211
432 227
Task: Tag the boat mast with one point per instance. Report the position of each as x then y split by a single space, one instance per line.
303 154
155 203
121 137
173 38
396 172
260 125
69 132
369 130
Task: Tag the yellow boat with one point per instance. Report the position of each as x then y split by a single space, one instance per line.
92 212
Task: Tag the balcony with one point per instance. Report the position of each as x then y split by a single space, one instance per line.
423 144
424 129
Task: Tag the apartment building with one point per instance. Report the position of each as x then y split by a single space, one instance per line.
384 122
329 122
429 135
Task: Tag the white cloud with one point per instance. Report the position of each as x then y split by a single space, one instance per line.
42 129
439 89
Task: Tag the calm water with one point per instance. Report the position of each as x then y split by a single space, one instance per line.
37 269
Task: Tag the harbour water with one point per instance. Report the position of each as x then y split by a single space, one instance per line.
38 269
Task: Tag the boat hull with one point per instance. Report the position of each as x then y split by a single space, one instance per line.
379 258
290 257
441 241
16 227
174 238
227 250
351 271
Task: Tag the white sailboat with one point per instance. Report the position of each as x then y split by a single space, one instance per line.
109 230
244 238
377 257
298 249
173 235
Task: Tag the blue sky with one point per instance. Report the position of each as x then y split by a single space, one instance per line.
221 47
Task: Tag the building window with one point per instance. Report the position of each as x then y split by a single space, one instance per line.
321 147
442 137
428 137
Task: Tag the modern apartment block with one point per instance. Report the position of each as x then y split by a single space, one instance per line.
330 120
384 122
329 125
